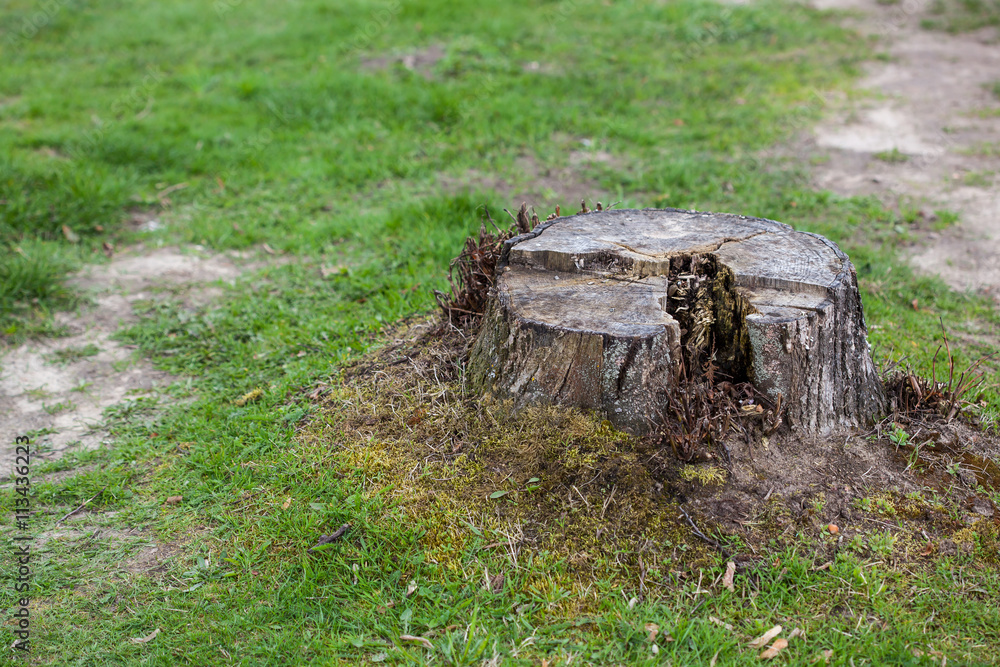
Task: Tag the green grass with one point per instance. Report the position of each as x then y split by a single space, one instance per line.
71 354
962 15
892 156
280 133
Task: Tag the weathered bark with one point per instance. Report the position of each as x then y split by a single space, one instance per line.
579 316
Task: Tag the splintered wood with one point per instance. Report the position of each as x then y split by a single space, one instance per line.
604 310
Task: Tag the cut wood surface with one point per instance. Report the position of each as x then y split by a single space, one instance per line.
602 310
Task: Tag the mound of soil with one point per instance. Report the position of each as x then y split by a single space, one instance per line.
564 486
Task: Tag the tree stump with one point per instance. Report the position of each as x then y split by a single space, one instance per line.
605 310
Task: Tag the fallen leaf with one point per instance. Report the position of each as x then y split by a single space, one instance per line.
827 654
652 629
797 632
667 638
727 578
928 550
411 589
766 637
288 503
148 638
498 494
719 621
173 500
70 235
268 249
711 663
833 528
915 304
824 566
774 650
655 649
416 417
494 583
109 249
412 638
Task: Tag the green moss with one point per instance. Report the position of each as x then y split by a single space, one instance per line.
471 472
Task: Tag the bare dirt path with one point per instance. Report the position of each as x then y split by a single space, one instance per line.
57 389
927 135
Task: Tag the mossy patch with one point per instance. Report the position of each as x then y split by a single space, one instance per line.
493 489
559 483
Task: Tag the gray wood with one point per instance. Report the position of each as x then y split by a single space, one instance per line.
578 317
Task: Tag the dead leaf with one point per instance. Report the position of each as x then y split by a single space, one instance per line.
824 566
774 650
411 638
70 235
727 578
927 550
652 629
173 500
268 249
411 589
109 249
719 621
416 417
827 654
766 637
288 503
711 663
797 632
148 638
915 304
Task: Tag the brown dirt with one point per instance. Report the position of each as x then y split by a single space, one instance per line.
928 99
565 185
48 384
421 61
145 555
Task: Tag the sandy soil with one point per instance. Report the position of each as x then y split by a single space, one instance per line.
49 388
929 100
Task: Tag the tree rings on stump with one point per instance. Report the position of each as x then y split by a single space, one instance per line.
605 310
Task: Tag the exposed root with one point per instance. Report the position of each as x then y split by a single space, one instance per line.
913 395
473 273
